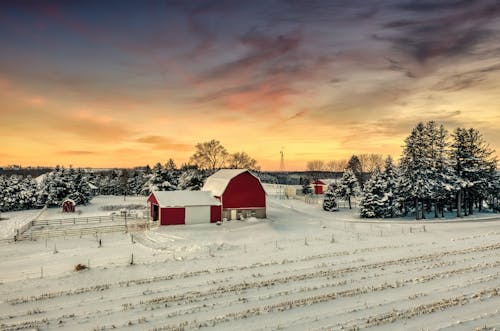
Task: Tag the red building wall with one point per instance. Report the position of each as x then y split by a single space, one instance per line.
244 191
172 216
318 189
215 214
152 200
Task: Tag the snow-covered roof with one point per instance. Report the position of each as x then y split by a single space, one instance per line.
327 181
218 182
40 178
92 186
185 198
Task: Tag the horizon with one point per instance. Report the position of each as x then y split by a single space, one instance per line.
119 84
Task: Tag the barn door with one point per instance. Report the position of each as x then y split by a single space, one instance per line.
155 212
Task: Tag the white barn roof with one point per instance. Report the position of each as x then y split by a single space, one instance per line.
185 198
218 182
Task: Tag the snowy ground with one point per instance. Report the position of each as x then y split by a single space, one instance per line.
99 206
302 269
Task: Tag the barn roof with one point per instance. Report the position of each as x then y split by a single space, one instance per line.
185 198
218 182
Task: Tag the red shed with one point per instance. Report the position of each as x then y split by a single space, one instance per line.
68 206
239 191
318 186
321 185
184 207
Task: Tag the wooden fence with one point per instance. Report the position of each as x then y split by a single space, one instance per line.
81 226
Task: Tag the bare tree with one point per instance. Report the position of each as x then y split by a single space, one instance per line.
369 162
241 160
209 155
336 165
315 165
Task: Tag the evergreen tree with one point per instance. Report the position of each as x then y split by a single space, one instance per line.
3 190
374 199
354 164
416 168
191 179
306 186
80 192
158 181
389 177
329 199
474 166
348 186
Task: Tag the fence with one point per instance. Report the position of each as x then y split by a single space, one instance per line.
80 226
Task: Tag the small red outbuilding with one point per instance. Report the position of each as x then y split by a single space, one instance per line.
68 206
239 191
184 207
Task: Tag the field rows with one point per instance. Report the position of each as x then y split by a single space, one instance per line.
223 296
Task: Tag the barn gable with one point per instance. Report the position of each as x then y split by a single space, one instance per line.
241 193
218 182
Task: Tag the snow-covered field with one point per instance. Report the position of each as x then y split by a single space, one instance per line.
301 269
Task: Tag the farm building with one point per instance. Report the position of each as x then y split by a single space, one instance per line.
321 185
184 207
68 206
240 193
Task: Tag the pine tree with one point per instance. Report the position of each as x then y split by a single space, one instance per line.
374 198
389 177
474 166
329 199
306 186
158 181
3 187
416 168
348 186
191 179
354 164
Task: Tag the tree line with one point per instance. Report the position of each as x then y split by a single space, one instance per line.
438 172
18 192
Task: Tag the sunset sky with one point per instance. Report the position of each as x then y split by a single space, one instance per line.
127 83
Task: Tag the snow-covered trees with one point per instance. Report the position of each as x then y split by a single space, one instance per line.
306 186
159 180
17 193
474 168
374 200
434 174
191 179
330 198
64 183
348 186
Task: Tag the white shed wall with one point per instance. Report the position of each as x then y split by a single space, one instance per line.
197 214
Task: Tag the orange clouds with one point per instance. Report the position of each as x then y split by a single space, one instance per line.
164 143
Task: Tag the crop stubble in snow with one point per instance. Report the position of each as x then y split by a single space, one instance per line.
441 279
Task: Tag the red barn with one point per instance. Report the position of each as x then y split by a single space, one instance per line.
318 186
184 207
68 206
240 193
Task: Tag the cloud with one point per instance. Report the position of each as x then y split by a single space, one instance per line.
262 50
76 152
164 143
465 79
441 28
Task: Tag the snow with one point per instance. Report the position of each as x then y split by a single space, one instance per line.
300 269
218 182
11 221
185 198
